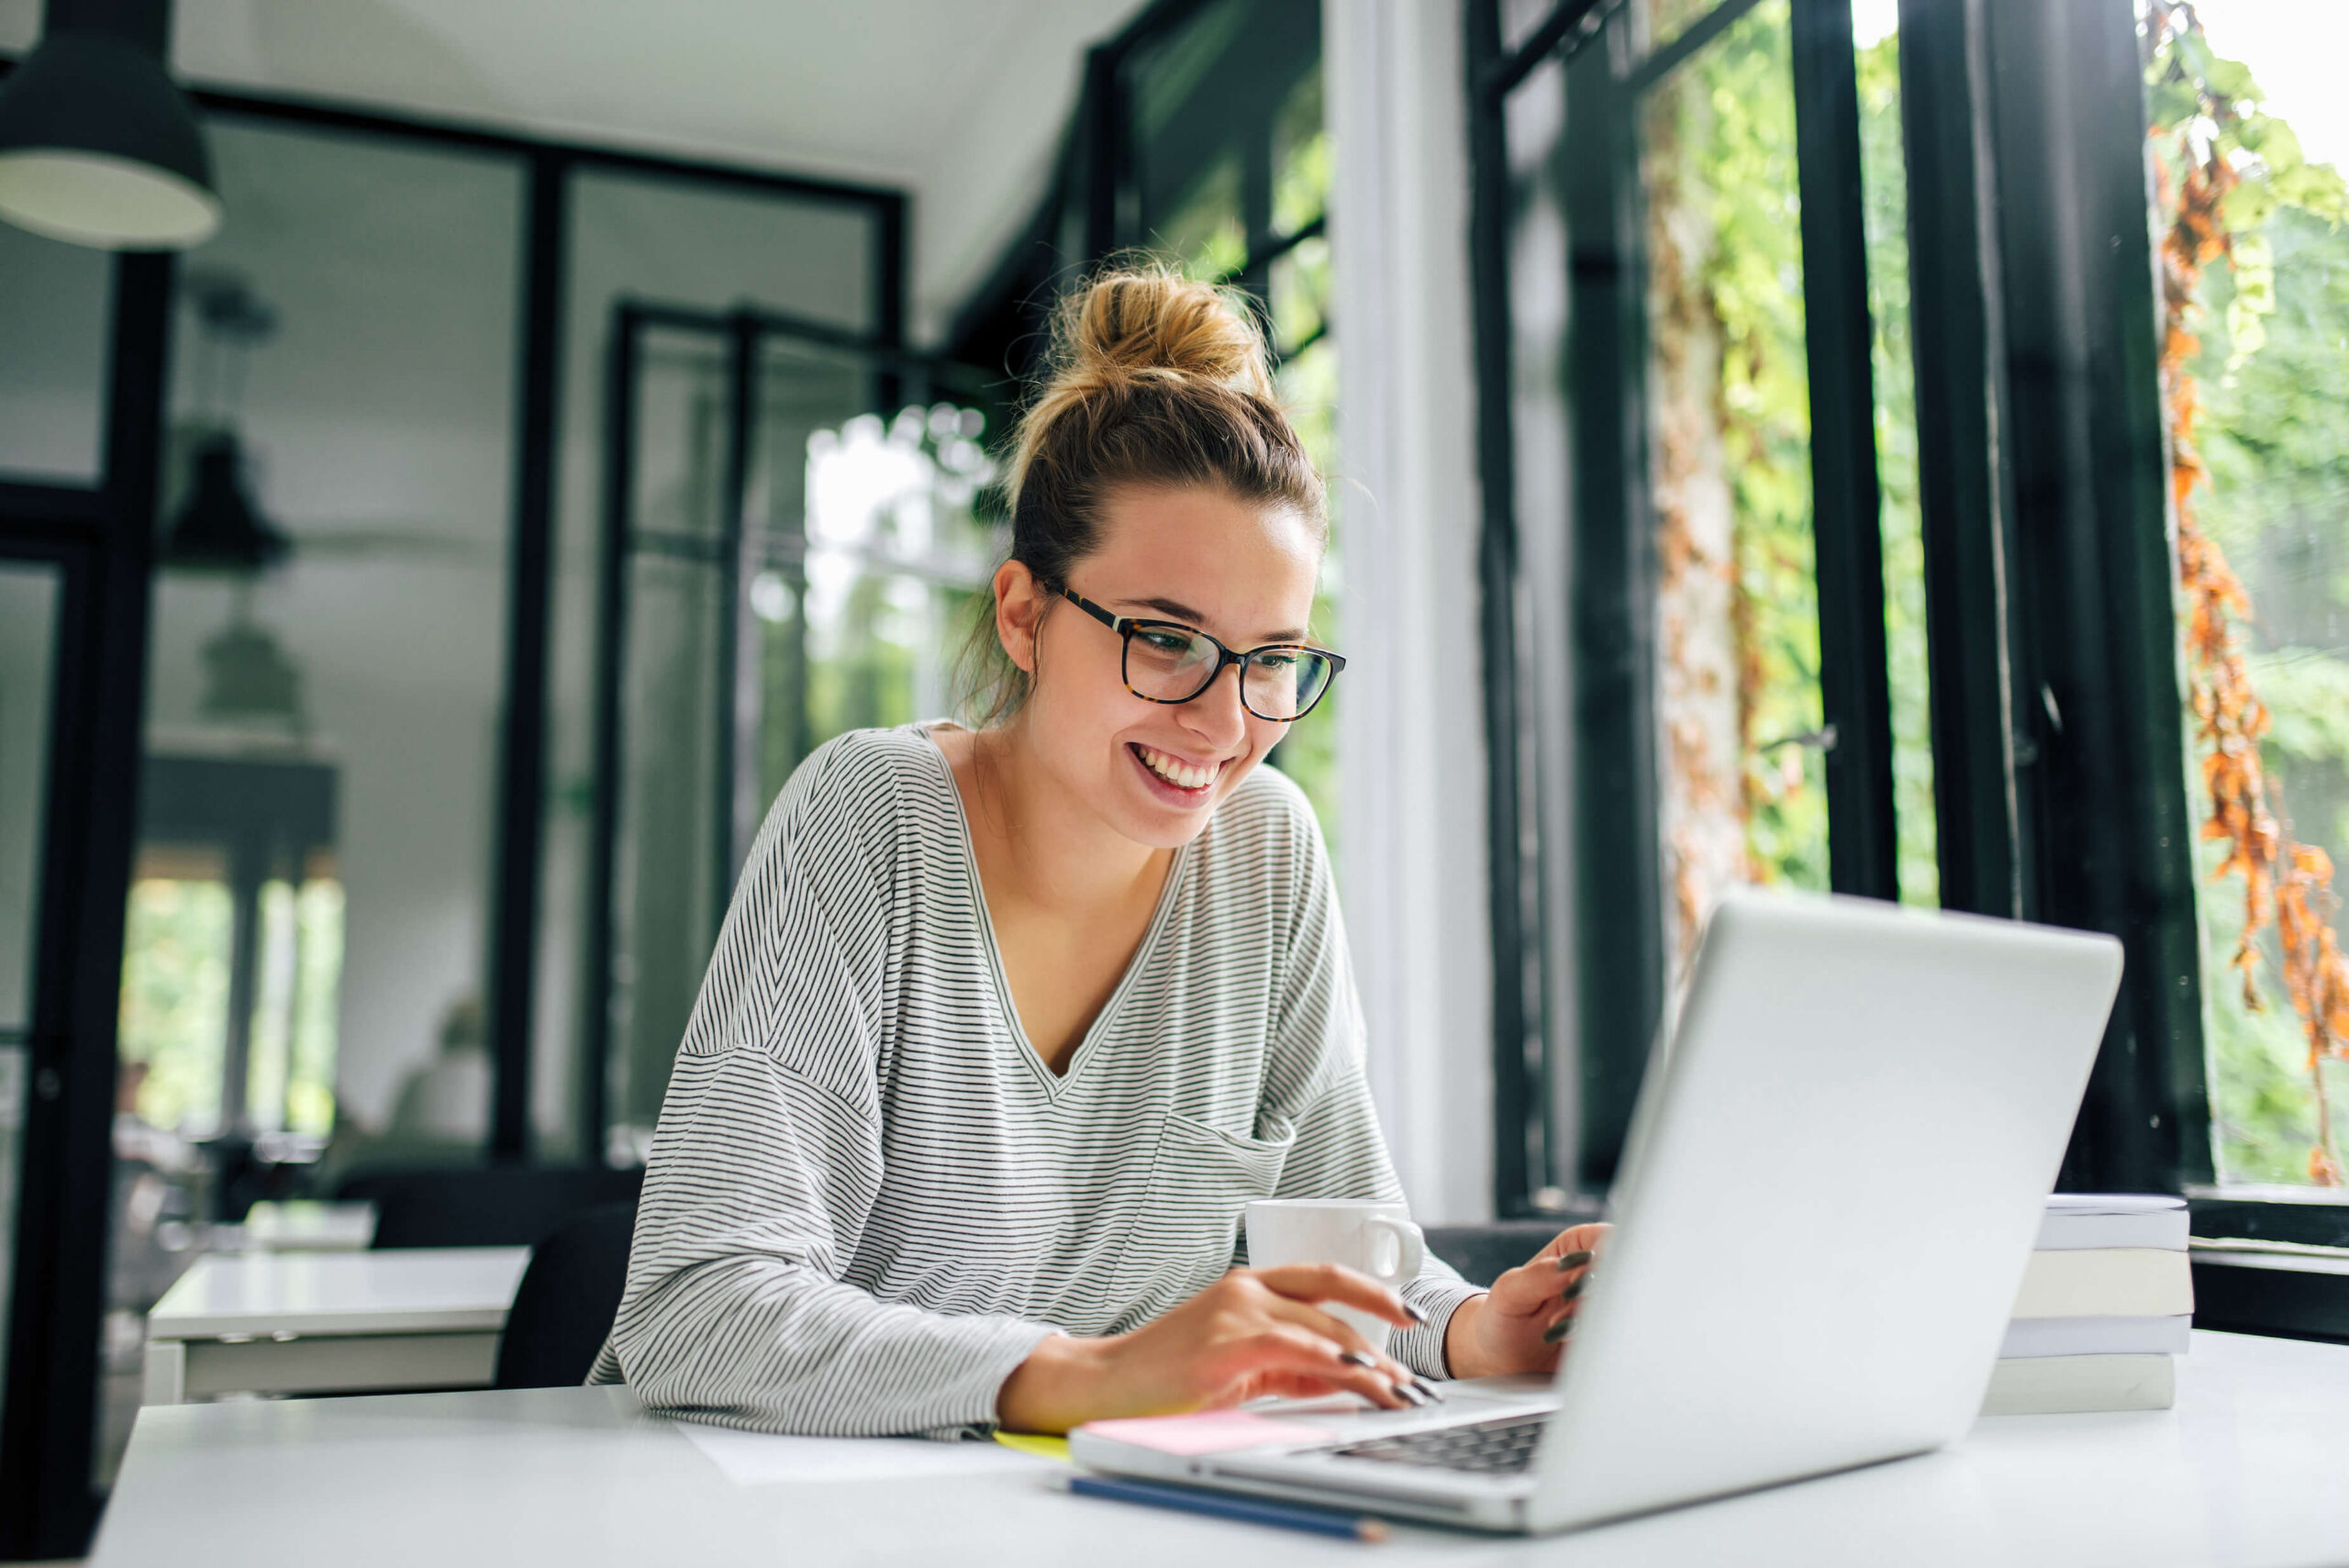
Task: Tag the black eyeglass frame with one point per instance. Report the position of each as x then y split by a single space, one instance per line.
1126 625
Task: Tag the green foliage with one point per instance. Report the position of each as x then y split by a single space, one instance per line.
175 996
2273 378
1729 115
1885 197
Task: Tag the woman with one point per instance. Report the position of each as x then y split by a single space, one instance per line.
1007 1025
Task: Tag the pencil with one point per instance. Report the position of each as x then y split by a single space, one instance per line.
1224 1505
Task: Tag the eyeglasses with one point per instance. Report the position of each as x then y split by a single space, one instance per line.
1166 662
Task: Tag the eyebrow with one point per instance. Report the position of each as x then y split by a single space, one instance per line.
1183 612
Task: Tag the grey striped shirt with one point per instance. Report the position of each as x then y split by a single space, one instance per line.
868 1197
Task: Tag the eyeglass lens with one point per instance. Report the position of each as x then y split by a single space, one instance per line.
1168 664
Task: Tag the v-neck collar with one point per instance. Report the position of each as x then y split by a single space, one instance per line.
1051 1084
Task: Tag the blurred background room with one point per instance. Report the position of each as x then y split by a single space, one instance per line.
457 459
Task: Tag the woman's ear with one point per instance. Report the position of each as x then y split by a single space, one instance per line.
1019 609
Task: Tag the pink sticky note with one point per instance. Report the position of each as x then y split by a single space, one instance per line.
1209 1432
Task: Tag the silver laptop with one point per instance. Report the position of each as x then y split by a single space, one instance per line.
1834 1176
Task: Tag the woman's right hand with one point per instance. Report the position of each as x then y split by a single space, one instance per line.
1251 1333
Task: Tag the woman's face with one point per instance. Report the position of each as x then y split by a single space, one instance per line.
1239 571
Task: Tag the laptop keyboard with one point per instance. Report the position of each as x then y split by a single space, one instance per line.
1494 1448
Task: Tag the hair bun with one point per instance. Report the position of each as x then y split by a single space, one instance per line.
1131 323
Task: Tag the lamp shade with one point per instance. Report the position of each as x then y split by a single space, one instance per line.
218 529
99 147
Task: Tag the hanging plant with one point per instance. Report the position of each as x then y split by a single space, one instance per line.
2223 167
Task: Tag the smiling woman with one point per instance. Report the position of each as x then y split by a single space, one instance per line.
1008 1024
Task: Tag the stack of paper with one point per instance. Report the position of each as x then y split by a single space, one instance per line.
2104 1306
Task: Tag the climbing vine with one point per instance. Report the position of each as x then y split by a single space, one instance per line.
2223 169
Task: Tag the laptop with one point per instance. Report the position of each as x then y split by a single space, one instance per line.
1834 1176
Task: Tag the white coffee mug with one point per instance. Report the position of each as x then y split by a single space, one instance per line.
1373 1239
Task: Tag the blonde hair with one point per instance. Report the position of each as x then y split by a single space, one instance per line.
1153 381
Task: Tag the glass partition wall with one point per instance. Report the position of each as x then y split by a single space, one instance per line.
355 918
792 547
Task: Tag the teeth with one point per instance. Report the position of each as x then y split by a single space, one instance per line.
1174 771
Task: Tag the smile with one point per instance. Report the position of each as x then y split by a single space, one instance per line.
1173 771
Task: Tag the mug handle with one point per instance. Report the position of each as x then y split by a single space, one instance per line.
1411 1245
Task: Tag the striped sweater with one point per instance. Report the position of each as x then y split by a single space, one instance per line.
869 1199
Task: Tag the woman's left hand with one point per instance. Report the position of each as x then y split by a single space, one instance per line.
1522 1323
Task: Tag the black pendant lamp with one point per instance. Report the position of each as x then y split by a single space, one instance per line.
97 145
219 530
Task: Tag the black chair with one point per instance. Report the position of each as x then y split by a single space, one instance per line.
567 1299
487 1205
1484 1252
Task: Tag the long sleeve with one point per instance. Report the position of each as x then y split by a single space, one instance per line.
1316 1065
767 1163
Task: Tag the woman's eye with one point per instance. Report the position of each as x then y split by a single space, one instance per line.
1170 643
1277 663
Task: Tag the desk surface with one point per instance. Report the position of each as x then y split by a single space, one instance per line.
423 1290
2251 1468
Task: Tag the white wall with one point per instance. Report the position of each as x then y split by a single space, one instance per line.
1411 736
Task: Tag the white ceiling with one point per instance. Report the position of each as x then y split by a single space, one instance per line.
960 102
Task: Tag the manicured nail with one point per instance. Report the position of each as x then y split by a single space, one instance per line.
1411 1392
1414 1314
1558 1331
1357 1357
1572 1261
1430 1389
1571 1290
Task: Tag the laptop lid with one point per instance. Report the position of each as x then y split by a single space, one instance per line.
1829 1196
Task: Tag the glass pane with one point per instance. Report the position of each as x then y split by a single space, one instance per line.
667 895
28 650
1225 115
1743 761
1885 207
28 596
323 727
2248 144
53 333
1301 168
710 248
1534 124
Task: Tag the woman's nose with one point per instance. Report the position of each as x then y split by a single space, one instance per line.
1216 716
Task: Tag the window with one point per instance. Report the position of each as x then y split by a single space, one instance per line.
1707 481
1232 156
1201 140
2073 561
2250 205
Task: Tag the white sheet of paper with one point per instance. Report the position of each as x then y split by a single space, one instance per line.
759 1459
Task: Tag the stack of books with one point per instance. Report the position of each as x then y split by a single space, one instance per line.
2104 1310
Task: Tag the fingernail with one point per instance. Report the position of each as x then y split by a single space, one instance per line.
1410 1391
1357 1357
1558 1331
1414 1314
1572 1261
1571 1290
1430 1389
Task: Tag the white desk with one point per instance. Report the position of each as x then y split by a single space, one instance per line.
331 1322
302 1226
2251 1468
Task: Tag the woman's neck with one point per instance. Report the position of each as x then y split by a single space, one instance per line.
1036 843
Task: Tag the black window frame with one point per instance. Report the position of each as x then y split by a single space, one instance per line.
2059 782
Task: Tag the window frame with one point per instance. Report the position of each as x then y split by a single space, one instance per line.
1618 894
2059 783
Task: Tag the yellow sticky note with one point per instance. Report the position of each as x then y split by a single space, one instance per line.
1042 1447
